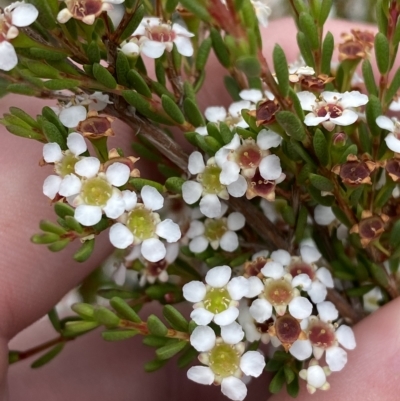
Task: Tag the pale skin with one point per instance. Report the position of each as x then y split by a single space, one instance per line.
33 280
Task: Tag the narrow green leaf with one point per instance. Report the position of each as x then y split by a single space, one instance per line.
360 291
73 329
22 89
104 76
155 341
106 317
393 87
47 12
321 183
250 66
124 310
73 224
118 335
203 53
42 70
379 274
382 52
52 117
369 78
326 6
152 366
296 104
134 22
289 374
281 70
187 357
169 350
322 200
174 184
15 111
171 5
175 318
62 209
193 113
138 83
93 52
196 8
59 84
341 216
219 47
351 150
84 310
59 245
293 388
291 124
321 147
156 326
52 134
232 87
172 109
308 27
84 252
395 235
274 365
139 183
365 138
46 238
305 49
122 68
54 319
301 224
160 71
277 382
48 356
46 225
328 45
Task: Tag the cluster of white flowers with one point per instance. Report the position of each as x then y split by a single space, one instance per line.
153 37
16 15
274 302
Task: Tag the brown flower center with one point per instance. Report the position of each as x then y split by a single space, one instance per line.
287 329
301 268
321 335
334 111
82 8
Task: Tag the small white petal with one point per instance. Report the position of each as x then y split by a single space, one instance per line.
233 388
70 185
345 336
198 244
301 349
191 191
203 338
115 206
323 215
87 167
325 276
184 46
261 310
64 16
196 163
201 375
236 221
267 139
327 311
24 14
316 376
235 109
238 288
336 358
52 152
311 120
210 205
317 292
119 276
385 123
256 286
229 173
348 117
353 99
270 167
72 116
151 198
153 249
153 49
392 143
215 114
196 228
253 95
172 252
51 185
232 333
238 188
273 269
118 174
130 199
302 280
307 100
309 254
130 48
194 291
300 307
76 143
202 131
281 256
8 56
88 215
168 230
229 241
201 316
219 276
252 363
227 316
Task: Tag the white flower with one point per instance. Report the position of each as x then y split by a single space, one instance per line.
216 300
208 186
232 117
263 11
16 15
70 115
323 215
296 72
331 108
279 292
252 331
371 299
64 161
85 11
393 126
226 362
96 101
216 232
153 37
140 225
315 376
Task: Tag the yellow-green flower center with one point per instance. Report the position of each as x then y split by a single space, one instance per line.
96 191
224 360
215 229
210 180
217 300
67 165
141 223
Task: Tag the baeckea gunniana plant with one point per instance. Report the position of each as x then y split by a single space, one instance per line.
277 221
